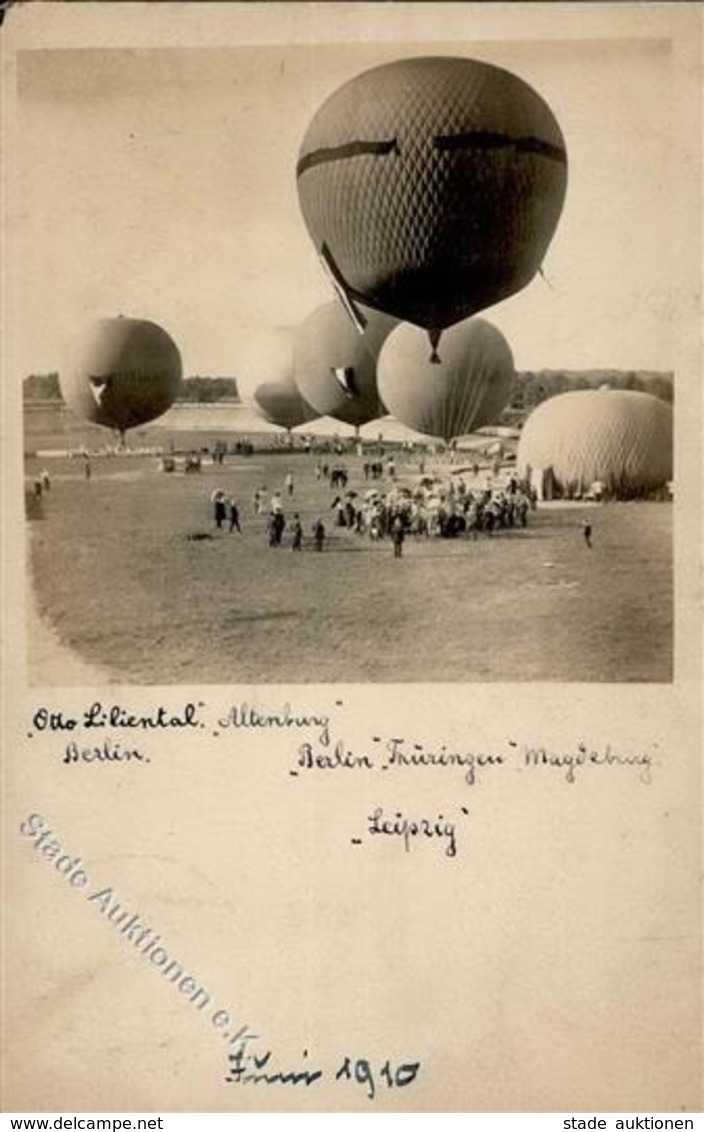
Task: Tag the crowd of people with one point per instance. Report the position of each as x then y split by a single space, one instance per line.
436 509
225 509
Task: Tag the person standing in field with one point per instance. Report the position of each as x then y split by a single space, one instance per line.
319 534
288 483
219 510
398 534
297 530
234 517
275 526
587 532
259 494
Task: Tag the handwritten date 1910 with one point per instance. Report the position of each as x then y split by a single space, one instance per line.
361 1071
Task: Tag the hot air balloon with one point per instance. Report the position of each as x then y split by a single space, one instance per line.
432 187
265 378
617 437
121 372
467 389
335 366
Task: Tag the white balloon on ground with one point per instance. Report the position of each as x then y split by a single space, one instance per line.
617 437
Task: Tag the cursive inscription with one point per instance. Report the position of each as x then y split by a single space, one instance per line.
285 718
411 829
337 756
160 718
410 754
99 715
108 751
247 1068
540 757
407 755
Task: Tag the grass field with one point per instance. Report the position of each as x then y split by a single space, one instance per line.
115 574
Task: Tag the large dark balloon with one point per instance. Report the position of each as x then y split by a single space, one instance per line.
121 372
432 187
469 388
335 365
265 379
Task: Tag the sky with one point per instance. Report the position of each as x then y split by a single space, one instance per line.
161 184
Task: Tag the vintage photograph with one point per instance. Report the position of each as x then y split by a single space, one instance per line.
351 571
348 364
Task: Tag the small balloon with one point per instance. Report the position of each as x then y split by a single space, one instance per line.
265 378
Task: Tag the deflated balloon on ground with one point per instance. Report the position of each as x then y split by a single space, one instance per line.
620 438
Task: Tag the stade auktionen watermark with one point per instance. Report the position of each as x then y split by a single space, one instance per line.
135 931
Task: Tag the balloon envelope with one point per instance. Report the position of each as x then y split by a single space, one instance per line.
335 365
469 388
265 378
431 187
121 372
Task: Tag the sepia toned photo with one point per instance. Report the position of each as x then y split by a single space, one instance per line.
353 365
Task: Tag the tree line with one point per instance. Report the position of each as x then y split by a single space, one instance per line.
202 390
531 387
